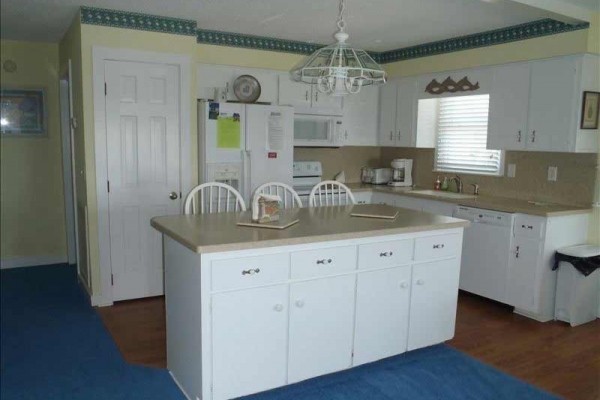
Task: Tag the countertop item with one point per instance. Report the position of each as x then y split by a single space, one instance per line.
210 233
504 204
246 88
376 211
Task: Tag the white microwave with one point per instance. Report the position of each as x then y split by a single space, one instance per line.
317 130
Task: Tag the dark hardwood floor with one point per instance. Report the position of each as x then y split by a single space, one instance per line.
552 355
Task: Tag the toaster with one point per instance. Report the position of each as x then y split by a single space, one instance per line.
381 176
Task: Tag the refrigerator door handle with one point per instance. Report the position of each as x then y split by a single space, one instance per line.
245 184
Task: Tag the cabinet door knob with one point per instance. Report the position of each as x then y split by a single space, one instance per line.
391 135
532 136
519 136
404 285
306 95
278 307
420 282
299 303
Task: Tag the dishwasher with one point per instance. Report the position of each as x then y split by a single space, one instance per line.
486 251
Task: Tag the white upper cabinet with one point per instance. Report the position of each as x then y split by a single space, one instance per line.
211 77
509 100
536 106
397 111
360 118
306 99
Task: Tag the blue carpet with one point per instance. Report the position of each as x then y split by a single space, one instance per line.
54 346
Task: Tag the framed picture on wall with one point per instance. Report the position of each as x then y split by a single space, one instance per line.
22 112
590 110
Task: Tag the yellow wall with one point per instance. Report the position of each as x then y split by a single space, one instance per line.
31 192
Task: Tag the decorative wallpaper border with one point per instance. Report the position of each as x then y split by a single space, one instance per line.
220 38
489 38
129 20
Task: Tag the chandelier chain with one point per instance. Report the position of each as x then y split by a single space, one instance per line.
341 23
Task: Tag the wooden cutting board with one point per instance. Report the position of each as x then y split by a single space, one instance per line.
381 211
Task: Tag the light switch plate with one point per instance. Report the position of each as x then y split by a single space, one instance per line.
552 174
511 170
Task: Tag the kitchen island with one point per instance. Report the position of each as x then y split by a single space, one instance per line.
250 309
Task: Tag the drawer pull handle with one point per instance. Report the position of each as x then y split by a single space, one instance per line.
324 261
251 271
386 254
438 246
278 307
527 226
404 285
420 282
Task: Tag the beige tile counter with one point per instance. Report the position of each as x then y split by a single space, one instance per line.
211 233
486 202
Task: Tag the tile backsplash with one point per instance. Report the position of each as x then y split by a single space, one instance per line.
574 185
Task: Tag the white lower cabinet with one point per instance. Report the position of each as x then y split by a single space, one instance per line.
522 267
321 327
250 330
433 302
382 304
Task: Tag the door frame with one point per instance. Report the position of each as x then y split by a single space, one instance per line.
99 56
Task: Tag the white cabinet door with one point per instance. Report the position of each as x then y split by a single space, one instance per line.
295 94
321 327
551 103
249 341
382 301
433 302
360 117
326 104
509 100
387 114
405 112
522 267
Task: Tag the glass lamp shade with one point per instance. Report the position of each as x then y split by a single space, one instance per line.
339 69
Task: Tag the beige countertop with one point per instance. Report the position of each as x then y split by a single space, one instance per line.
486 202
213 233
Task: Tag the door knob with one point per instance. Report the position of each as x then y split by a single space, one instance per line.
173 195
299 303
404 285
420 282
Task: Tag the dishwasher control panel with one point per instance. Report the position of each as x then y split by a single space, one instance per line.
482 216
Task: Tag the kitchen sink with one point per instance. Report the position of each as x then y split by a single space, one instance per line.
442 194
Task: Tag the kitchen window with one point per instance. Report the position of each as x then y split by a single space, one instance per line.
461 125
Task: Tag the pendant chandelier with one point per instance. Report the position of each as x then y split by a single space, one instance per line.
339 69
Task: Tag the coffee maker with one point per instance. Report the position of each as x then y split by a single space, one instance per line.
401 172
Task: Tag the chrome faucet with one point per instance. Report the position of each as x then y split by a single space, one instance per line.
475 189
459 183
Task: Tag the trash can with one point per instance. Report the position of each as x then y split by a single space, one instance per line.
578 284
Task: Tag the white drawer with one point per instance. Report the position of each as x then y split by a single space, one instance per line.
385 254
432 247
529 226
323 262
238 273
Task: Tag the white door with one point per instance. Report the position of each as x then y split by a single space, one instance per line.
521 285
142 121
321 326
509 100
249 341
387 114
405 112
382 301
551 104
433 303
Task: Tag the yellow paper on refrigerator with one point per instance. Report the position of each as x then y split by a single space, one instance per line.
228 133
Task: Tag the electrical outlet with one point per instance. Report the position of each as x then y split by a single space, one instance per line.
511 170
552 174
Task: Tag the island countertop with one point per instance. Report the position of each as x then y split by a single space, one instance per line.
212 233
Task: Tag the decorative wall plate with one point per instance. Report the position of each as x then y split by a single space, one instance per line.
246 88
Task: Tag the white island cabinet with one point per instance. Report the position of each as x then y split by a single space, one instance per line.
254 309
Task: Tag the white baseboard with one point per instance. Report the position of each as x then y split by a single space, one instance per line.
18 262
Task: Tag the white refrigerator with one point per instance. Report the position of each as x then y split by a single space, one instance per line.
245 145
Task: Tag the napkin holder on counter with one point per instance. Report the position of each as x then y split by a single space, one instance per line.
265 208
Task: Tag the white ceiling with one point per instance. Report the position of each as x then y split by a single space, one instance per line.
374 25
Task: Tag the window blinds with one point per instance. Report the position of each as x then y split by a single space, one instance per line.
462 136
